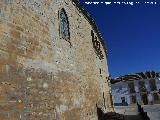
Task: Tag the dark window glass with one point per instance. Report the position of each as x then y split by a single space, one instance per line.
123 99
64 25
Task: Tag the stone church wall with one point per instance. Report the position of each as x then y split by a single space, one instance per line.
43 76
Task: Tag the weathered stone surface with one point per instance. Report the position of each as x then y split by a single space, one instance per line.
43 76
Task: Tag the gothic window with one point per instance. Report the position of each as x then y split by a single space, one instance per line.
64 25
96 46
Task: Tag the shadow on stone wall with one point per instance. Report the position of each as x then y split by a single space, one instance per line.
109 115
100 113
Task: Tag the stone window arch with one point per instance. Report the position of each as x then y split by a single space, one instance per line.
97 46
64 25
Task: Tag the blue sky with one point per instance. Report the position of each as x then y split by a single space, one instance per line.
132 36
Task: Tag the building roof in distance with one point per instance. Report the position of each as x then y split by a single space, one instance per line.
136 76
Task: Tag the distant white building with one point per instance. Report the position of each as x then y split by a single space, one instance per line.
143 88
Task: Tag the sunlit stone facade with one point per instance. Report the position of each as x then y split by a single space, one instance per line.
53 62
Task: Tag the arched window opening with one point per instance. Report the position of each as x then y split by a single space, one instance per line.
64 25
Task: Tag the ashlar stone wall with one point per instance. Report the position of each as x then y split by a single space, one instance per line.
42 75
